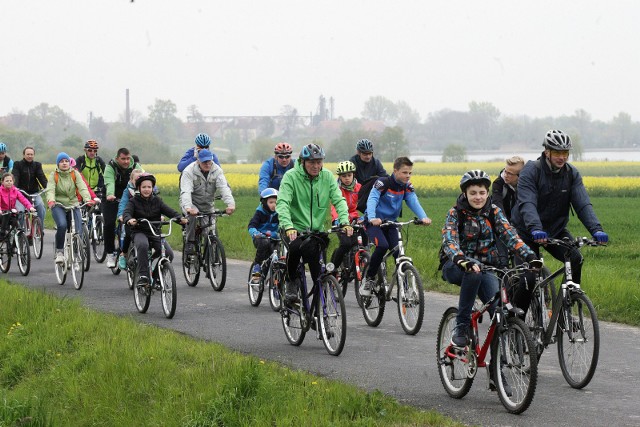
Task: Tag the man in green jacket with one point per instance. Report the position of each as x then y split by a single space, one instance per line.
304 201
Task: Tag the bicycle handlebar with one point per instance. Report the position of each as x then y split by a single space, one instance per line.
70 208
153 224
578 242
388 222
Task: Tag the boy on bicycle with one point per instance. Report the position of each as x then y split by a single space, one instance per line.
385 203
349 187
262 226
305 194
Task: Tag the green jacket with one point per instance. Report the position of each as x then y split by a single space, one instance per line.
64 191
305 203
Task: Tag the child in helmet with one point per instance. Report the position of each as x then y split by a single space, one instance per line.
263 227
349 186
125 234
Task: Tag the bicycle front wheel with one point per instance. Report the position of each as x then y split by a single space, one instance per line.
456 375
361 263
37 237
78 255
141 294
332 317
579 342
86 247
292 321
410 299
216 264
24 257
97 239
514 365
168 294
5 255
254 289
276 282
373 305
191 266
537 320
132 257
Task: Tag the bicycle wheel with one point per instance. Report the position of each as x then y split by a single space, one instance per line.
292 323
191 267
5 255
410 299
132 256
514 365
579 342
97 239
254 289
361 265
37 237
141 294
78 254
276 281
373 306
456 375
168 293
216 264
332 318
86 245
24 257
537 320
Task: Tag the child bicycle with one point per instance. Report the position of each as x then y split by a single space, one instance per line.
270 276
353 266
209 253
162 279
74 251
33 225
325 311
516 375
410 292
566 317
13 240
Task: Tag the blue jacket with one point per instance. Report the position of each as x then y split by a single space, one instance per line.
263 221
271 174
364 171
389 204
189 158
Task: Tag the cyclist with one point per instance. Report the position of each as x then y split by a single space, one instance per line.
303 201
116 176
148 206
503 195
385 203
349 187
367 166
547 189
6 164
92 166
198 186
30 177
202 141
127 194
63 187
273 169
72 163
262 226
9 195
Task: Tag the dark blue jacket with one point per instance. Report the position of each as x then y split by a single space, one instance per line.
188 158
364 171
263 221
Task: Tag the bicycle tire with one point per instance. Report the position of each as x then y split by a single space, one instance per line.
61 269
373 306
410 294
332 318
23 254
37 237
518 365
191 268
578 356
454 373
78 254
537 320
168 292
254 290
362 265
276 281
141 295
132 256
97 240
5 255
292 322
216 264
86 240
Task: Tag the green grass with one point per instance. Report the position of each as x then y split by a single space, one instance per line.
66 365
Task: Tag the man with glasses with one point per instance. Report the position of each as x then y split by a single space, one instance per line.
503 189
30 177
273 169
92 167
116 176
367 166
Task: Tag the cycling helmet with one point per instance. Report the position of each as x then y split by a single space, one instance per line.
92 143
203 140
282 148
145 177
477 177
345 167
311 152
3 147
364 145
268 192
557 140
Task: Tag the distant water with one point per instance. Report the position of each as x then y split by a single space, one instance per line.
486 156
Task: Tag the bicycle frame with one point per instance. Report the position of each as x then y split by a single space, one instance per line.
400 260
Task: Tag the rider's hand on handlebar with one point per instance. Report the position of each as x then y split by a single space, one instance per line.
426 221
230 210
539 236
601 237
466 264
132 222
51 204
348 230
192 211
111 198
375 221
292 234
534 262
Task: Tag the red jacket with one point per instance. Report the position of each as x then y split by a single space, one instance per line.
352 202
9 196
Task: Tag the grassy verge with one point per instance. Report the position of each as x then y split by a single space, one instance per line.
63 364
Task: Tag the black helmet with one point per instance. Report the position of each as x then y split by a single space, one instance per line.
557 140
477 177
311 152
145 177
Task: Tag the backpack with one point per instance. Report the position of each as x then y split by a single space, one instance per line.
365 189
56 177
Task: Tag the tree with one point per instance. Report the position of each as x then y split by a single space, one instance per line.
484 120
380 108
145 145
391 144
454 153
261 150
72 144
163 122
408 118
193 115
98 129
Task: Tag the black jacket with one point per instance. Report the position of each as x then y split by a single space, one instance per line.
503 196
151 209
364 171
29 176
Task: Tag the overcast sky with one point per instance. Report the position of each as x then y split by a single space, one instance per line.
537 58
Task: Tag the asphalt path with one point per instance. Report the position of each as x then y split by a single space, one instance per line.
382 358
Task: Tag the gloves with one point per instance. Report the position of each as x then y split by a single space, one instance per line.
601 236
534 262
347 228
463 263
291 233
539 236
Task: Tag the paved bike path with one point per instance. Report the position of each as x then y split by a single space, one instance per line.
383 358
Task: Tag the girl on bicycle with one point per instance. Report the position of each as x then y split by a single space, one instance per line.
9 194
128 193
66 187
148 206
262 227
349 187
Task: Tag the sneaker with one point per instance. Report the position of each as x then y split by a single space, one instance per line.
255 278
367 286
460 337
493 386
59 257
122 262
291 291
256 269
143 281
111 261
189 248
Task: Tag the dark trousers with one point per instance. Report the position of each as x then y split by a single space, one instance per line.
309 251
264 248
383 238
110 214
346 243
143 243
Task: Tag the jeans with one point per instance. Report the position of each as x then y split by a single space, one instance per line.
60 218
484 285
383 238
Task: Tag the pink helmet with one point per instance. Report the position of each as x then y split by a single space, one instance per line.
72 162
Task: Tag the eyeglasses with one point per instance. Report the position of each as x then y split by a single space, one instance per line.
560 153
511 173
284 156
92 150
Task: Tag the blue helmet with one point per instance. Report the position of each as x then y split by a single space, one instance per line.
3 147
268 192
364 145
311 152
203 140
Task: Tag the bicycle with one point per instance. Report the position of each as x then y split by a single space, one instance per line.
209 253
86 237
353 266
325 312
74 251
509 341
405 277
14 241
162 277
571 320
95 226
33 225
270 276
